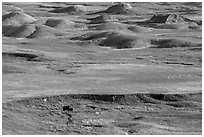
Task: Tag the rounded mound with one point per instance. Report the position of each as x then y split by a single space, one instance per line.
115 40
8 29
40 29
8 8
22 31
110 26
17 19
43 31
119 26
60 23
71 9
167 18
122 41
119 8
94 35
40 21
103 18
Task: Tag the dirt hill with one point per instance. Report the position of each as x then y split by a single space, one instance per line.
119 26
75 9
34 31
8 8
118 8
121 41
17 19
22 31
103 18
60 23
45 31
167 18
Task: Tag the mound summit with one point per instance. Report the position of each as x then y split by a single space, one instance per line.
45 31
167 18
8 8
71 9
17 19
122 41
114 39
22 31
119 26
34 31
103 18
45 27
60 23
118 8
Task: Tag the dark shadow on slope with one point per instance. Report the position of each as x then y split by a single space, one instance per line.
27 56
172 43
174 99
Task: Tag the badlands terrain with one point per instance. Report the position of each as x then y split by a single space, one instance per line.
101 68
